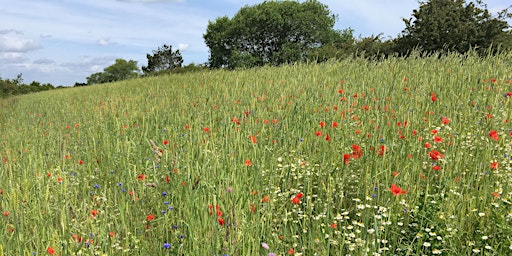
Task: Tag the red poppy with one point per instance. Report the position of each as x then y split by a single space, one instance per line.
318 133
150 217
80 162
495 165
166 142
435 155
381 150
253 139
397 190
295 200
220 221
76 237
436 167
50 250
218 211
357 152
445 120
235 120
327 137
248 162
206 129
494 135
141 177
322 124
427 145
433 97
94 213
291 251
346 158
438 139
334 124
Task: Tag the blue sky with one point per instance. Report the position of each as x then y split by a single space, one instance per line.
64 41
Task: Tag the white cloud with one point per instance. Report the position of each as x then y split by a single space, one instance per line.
9 31
13 57
182 46
105 41
88 64
44 61
12 41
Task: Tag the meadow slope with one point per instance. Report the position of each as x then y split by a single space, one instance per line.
399 157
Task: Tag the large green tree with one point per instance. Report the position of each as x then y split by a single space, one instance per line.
163 59
452 25
272 32
120 70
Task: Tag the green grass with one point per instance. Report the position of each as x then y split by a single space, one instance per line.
80 174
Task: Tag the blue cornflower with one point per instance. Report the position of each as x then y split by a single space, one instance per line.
164 193
167 245
96 186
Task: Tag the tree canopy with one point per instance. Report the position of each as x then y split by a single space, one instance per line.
16 86
452 25
118 71
163 59
272 32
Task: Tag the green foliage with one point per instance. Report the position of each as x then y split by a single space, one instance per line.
120 70
163 59
16 86
273 32
447 25
149 166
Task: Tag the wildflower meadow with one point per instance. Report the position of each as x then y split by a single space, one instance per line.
395 157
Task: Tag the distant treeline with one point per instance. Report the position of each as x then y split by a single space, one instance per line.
9 87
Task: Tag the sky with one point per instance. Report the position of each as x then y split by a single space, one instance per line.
62 42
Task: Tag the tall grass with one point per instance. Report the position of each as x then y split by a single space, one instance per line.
291 160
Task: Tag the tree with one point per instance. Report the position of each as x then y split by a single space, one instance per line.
163 59
120 70
273 32
16 86
453 25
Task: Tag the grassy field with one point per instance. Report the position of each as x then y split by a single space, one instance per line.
401 157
